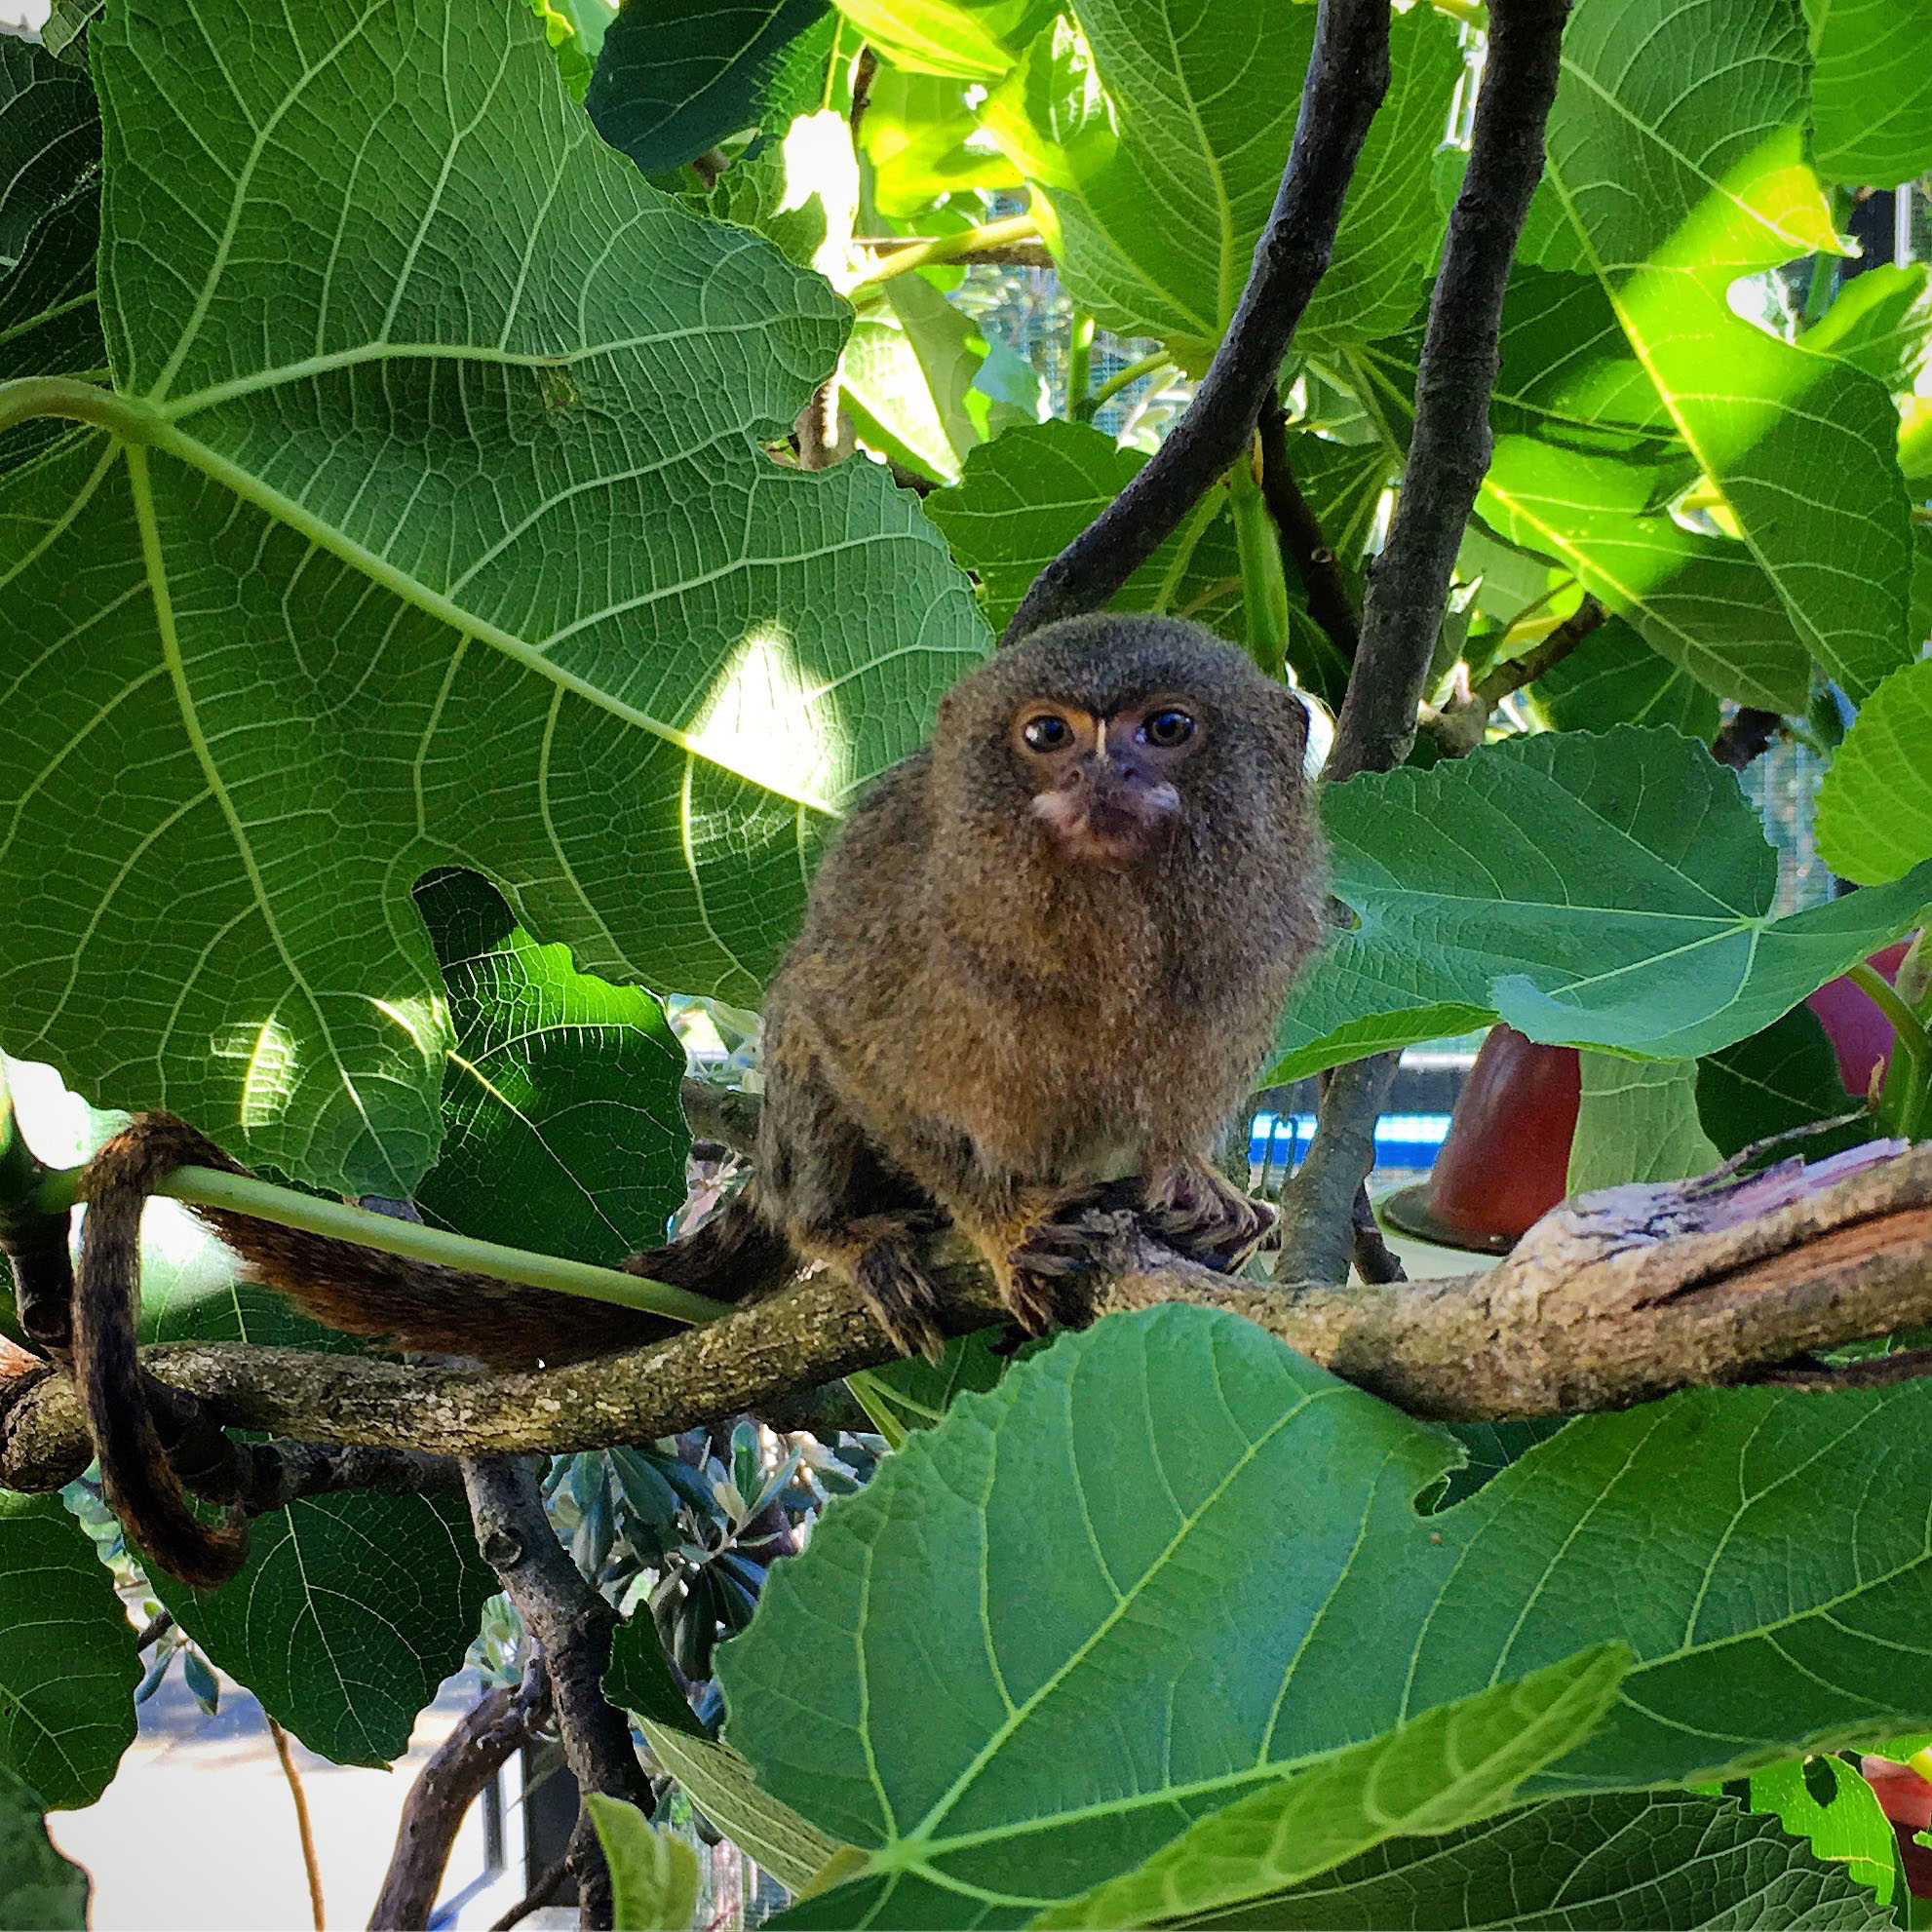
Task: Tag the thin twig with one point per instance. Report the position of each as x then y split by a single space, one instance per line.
1874 1371
538 1896
155 1629
1348 73
1512 676
572 1626
1318 1202
944 248
1376 1261
481 1744
311 1864
1305 549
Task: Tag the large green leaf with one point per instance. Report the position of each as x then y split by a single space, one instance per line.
674 79
50 222
445 536
907 378
974 40
561 1096
1870 91
348 1613
1784 1078
916 129
1009 1674
1611 891
1155 133
1874 806
40 1891
1848 1827
1614 677
1637 1120
722 1788
67 1662
1702 102
1699 600
1585 468
1646 1861
1446 1768
49 139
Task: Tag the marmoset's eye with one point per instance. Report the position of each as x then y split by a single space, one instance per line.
1168 728
1047 733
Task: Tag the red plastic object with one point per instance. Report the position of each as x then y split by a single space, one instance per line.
1505 1160
1861 1034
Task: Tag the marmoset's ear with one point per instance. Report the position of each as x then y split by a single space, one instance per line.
1294 712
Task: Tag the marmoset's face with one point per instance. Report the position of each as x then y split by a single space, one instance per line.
1107 787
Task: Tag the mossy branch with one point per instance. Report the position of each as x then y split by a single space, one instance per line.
1611 1299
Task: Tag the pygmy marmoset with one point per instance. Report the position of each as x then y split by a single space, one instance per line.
1045 953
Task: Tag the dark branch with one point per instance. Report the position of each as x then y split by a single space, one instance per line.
1448 450
1376 1261
1305 549
1609 1300
1318 1202
485 1738
1746 738
571 1625
538 1896
1348 73
1588 616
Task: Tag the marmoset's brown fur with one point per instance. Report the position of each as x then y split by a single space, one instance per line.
1045 953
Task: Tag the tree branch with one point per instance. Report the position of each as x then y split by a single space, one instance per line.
1348 73
1448 449
1305 548
1609 1300
1318 1201
485 1738
1746 737
1588 616
1448 452
571 1625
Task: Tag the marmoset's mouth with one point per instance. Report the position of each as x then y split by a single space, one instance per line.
1107 822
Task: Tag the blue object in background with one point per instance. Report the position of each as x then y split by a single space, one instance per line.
1402 1139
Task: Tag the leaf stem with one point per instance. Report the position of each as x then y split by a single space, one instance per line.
1086 408
1079 362
19 1172
246 1194
28 396
946 248
1202 514
1263 584
1907 1030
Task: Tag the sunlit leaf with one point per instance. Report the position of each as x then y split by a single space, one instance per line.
1874 806
392 379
